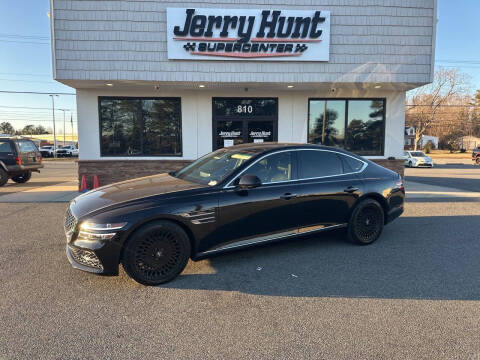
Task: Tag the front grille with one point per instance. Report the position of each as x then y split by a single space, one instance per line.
70 223
85 257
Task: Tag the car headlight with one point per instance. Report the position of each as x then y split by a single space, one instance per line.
95 231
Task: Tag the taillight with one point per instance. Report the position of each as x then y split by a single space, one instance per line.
41 159
18 160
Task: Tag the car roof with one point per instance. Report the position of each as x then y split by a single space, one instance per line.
273 146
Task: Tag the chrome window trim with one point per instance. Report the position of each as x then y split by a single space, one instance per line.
365 164
270 238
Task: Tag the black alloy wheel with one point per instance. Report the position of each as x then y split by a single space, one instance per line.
3 177
410 164
156 253
366 222
23 178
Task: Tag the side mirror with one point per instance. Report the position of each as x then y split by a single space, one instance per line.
249 182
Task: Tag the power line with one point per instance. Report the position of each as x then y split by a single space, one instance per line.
25 42
26 107
25 36
34 92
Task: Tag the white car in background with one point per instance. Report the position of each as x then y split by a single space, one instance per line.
417 159
68 150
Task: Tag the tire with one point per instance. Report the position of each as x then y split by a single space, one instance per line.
156 253
410 164
3 177
477 161
366 222
22 178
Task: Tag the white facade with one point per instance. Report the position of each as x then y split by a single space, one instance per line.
378 49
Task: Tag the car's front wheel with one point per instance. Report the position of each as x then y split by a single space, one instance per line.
23 178
410 164
156 253
366 222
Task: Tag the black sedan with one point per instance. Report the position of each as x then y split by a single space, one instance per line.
229 199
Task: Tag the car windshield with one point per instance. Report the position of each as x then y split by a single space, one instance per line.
417 154
65 147
215 167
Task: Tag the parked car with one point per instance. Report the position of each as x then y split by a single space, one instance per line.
47 151
417 159
68 150
229 199
18 158
476 155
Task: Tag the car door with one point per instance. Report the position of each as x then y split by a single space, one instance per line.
328 188
262 213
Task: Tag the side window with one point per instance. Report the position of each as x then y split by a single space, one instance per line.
313 164
5 147
351 164
273 168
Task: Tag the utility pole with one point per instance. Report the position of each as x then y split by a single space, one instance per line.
63 125
71 123
54 131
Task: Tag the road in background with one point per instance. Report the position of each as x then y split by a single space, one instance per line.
56 182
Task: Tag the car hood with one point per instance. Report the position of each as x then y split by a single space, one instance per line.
422 158
129 190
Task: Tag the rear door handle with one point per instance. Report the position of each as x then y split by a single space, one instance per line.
288 196
351 189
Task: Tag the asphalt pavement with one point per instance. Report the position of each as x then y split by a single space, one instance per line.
414 294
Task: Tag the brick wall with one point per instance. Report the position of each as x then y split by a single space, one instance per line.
111 171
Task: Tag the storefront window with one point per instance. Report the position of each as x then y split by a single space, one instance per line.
356 125
140 126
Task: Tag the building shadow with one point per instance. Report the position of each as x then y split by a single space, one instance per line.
416 258
468 184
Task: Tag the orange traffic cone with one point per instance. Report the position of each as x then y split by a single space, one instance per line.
95 181
83 184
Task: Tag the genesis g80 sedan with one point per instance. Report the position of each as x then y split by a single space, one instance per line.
232 198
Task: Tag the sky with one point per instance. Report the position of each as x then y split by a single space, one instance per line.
26 64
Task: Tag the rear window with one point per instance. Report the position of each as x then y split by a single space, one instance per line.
352 164
25 146
5 147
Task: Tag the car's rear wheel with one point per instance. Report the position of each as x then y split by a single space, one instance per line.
3 177
156 253
366 222
23 178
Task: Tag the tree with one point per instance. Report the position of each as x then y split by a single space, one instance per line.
6 128
424 105
39 130
28 130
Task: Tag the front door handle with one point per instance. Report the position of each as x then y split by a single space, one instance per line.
288 196
351 189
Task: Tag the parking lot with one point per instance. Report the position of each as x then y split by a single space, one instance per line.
415 293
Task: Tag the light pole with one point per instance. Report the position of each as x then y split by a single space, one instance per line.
54 131
63 125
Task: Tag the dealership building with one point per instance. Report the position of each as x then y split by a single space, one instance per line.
161 83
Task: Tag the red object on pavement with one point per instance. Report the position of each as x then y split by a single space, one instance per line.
83 184
95 181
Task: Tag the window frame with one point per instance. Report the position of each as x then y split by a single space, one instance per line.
100 98
296 167
384 100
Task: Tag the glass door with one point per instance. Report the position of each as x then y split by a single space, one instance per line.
244 120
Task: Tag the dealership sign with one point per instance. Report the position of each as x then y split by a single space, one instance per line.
248 34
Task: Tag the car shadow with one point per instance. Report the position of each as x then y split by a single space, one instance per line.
416 258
